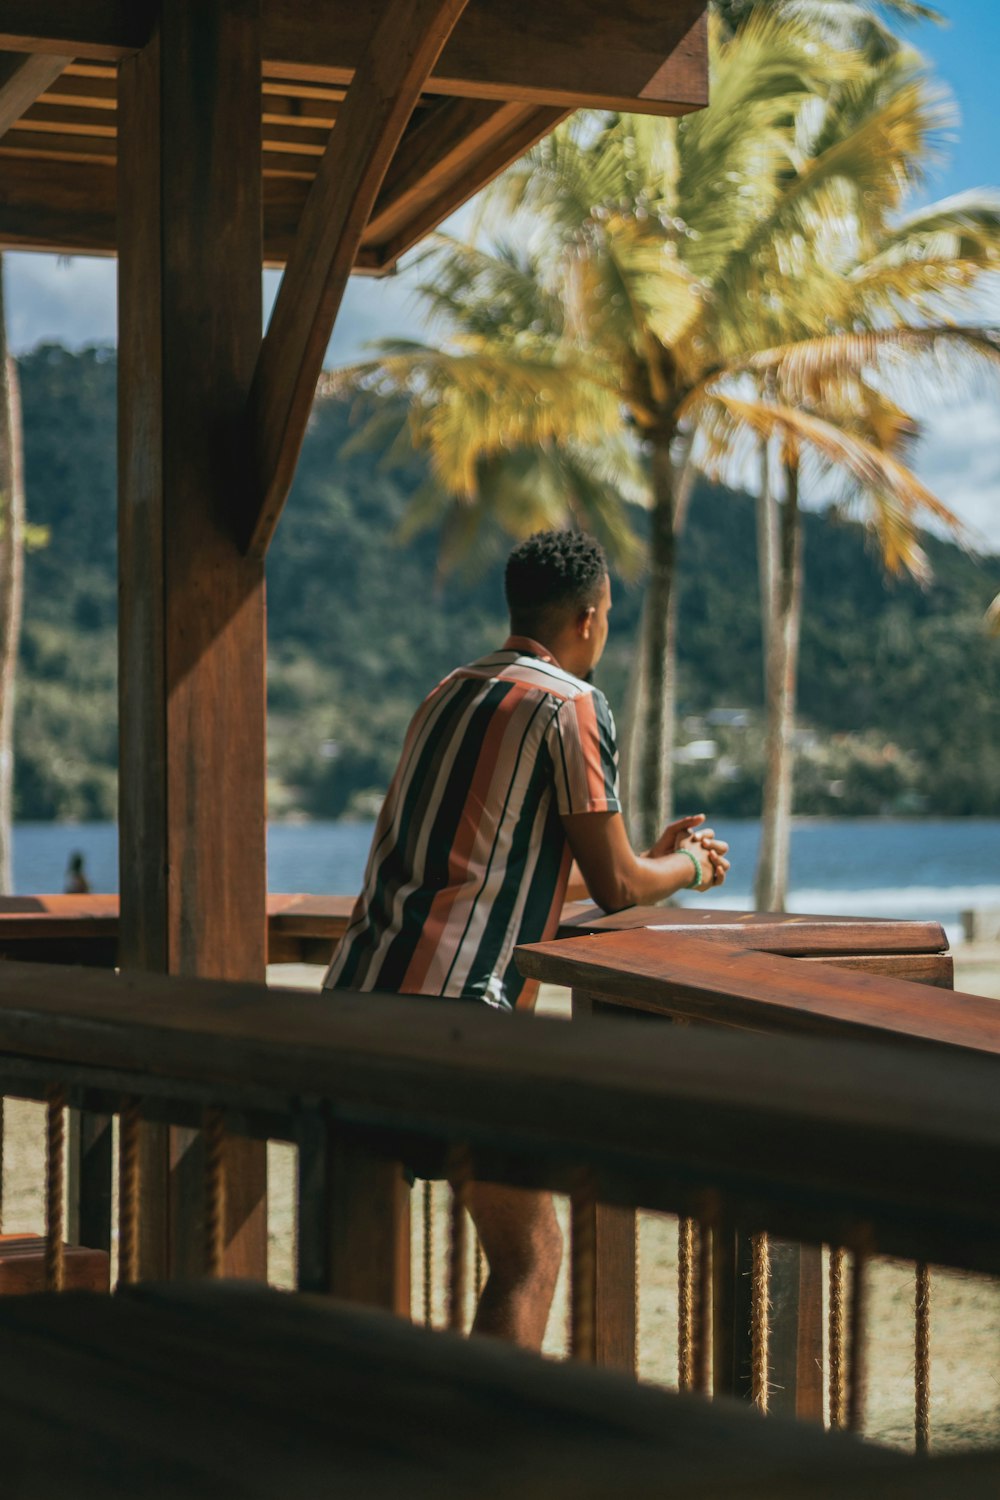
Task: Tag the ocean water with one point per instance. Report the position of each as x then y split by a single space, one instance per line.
912 868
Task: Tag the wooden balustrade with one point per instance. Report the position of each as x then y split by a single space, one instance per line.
406 1079
84 929
783 975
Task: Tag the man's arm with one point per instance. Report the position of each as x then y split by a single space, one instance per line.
617 877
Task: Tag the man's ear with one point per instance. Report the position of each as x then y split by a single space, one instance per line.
585 621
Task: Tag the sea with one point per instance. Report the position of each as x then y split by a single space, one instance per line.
866 867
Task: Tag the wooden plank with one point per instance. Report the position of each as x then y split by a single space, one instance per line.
23 78
225 1391
937 969
796 1343
807 934
443 167
568 53
402 50
799 1136
192 616
728 986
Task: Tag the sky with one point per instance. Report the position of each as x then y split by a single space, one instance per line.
73 302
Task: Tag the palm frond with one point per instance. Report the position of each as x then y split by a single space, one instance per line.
896 493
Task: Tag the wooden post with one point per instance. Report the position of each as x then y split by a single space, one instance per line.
191 623
354 1218
615 1332
796 1331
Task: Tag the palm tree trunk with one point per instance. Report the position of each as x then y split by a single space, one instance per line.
659 645
11 580
771 879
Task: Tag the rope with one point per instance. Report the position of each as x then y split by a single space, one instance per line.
703 1308
128 1191
214 1127
428 1251
637 1263
859 1342
922 1356
479 1270
685 1304
583 1269
55 1175
836 1337
459 1175
760 1328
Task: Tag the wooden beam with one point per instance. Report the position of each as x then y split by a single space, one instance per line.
453 168
23 78
191 624
402 51
591 53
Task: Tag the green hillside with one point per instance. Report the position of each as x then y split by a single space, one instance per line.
900 687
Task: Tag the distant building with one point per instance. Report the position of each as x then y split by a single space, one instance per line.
729 718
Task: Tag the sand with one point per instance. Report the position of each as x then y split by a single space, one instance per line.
965 1317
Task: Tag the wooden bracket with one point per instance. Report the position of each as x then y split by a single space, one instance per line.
403 49
23 77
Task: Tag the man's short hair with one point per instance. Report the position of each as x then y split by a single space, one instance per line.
553 573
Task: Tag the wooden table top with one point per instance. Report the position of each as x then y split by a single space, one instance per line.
226 1390
712 979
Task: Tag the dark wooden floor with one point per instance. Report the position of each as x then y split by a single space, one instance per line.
226 1390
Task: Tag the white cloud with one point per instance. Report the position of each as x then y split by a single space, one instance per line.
49 300
959 459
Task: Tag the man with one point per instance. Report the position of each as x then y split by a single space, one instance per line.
509 771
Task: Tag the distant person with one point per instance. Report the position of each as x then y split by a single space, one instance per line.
77 883
509 771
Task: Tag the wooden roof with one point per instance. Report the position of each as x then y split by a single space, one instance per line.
509 72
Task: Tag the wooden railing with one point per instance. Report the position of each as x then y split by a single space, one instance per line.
865 1147
729 969
84 929
741 975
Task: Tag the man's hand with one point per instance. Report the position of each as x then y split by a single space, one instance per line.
671 839
710 853
617 877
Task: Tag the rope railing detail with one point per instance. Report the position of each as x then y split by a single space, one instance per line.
214 1128
427 1243
760 1309
55 1184
922 1357
128 1191
857 1363
685 1304
835 1338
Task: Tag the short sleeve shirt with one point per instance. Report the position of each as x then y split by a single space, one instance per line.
469 858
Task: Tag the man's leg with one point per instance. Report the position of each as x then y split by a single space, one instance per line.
522 1242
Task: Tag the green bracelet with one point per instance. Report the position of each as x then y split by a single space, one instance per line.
694 884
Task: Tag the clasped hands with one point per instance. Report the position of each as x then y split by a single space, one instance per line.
690 835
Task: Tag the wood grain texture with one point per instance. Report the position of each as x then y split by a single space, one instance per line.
191 705
771 932
22 1266
729 986
802 1137
399 56
224 1391
23 77
570 53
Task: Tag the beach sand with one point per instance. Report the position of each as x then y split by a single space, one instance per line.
965 1309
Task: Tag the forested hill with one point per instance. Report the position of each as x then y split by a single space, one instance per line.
900 687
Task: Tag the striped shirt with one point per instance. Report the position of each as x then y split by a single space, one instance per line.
469 857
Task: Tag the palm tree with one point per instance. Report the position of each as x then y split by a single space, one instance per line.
646 293
849 290
612 318
11 579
